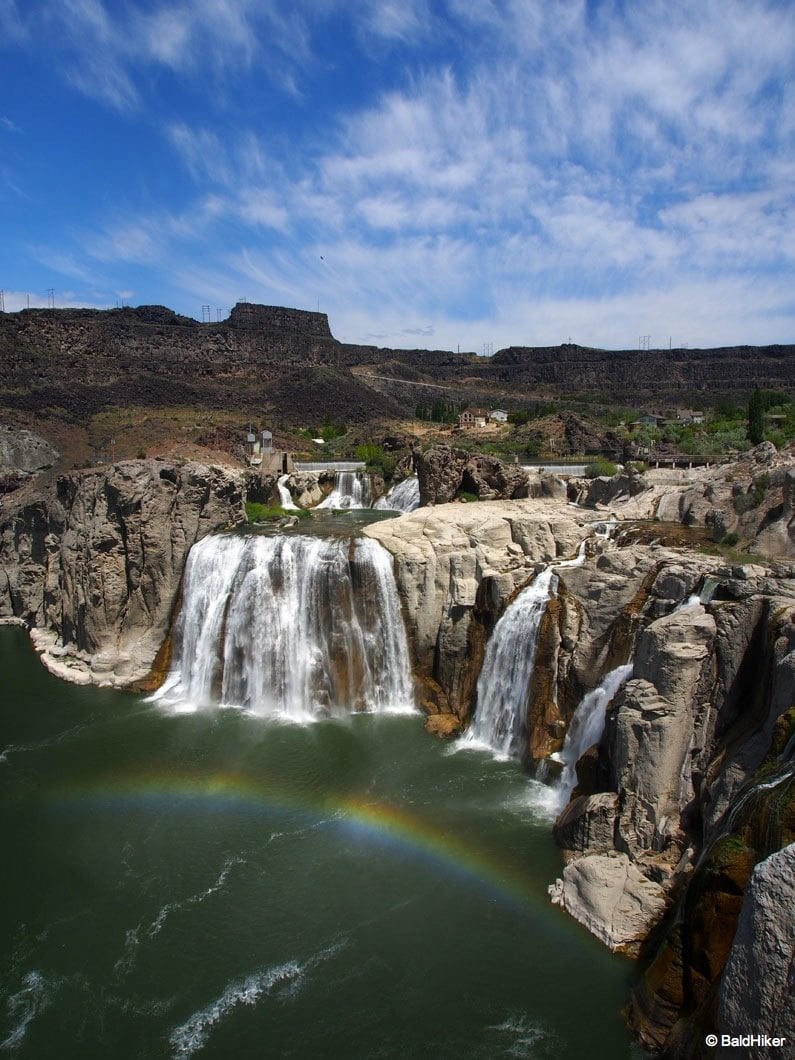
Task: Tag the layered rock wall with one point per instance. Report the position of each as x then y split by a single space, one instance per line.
95 565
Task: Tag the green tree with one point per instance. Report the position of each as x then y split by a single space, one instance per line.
756 420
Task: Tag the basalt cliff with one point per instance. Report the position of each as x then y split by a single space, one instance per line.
287 363
678 836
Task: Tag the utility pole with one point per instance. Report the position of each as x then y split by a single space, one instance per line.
2 301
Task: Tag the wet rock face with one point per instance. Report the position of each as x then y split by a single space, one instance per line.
99 562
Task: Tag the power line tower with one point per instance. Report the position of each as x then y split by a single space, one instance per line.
2 301
51 298
205 314
644 342
219 313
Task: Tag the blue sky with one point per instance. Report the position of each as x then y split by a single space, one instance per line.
430 173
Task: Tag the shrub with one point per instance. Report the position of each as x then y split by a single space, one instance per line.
730 540
464 495
600 468
260 513
377 461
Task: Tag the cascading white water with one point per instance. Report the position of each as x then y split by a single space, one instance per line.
404 497
352 489
285 496
504 680
586 728
291 625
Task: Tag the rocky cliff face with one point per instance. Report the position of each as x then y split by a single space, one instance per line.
692 781
94 566
455 566
751 498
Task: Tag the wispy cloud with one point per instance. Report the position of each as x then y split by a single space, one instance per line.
522 172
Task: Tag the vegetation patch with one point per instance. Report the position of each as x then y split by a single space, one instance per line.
600 468
261 513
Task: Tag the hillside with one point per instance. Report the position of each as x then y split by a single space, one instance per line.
286 364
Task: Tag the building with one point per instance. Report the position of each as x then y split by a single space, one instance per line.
690 416
498 416
260 453
473 417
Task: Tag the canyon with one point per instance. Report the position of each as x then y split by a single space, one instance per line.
652 611
684 803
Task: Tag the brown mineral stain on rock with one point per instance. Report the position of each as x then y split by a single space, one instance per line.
443 725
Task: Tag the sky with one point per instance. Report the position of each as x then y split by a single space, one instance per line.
438 174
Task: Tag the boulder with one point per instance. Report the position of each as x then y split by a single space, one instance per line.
610 896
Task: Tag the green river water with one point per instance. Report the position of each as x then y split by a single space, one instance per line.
219 886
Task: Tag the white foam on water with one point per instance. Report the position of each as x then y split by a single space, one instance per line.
520 1035
283 979
193 1034
134 936
23 1007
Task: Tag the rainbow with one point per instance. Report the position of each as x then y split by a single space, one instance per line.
377 822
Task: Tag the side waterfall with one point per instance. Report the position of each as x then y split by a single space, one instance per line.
504 680
352 489
404 497
290 625
285 497
586 728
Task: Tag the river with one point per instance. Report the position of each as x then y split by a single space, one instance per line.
223 885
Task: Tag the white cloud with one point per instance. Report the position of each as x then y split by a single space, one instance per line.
549 168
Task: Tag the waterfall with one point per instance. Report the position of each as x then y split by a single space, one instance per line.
586 728
290 625
403 497
352 489
504 681
286 498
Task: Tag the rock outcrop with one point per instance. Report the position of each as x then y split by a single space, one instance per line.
660 836
749 501
455 566
94 566
757 987
22 454
444 473
23 450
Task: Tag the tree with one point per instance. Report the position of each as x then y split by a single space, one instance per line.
756 419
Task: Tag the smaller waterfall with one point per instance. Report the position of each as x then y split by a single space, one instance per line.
352 489
403 497
504 681
284 494
586 728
